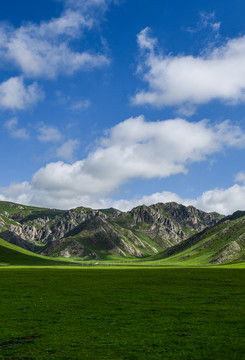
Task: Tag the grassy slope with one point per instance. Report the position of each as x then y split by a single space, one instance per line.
205 247
14 255
122 314
29 212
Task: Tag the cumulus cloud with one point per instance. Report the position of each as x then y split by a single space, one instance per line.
224 201
126 205
15 95
132 149
49 133
45 49
66 150
12 126
218 73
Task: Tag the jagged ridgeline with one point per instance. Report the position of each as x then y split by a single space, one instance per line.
88 233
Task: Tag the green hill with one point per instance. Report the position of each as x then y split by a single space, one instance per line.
223 243
14 255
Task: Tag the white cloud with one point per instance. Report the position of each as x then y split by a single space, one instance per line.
66 150
45 49
223 201
14 94
207 21
49 133
126 205
53 134
80 105
145 41
12 126
186 79
19 192
134 148
240 177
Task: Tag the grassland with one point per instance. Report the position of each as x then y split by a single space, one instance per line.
122 313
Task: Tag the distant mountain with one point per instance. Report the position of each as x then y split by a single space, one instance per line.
88 233
221 243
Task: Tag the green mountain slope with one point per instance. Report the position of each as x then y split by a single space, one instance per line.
14 255
222 243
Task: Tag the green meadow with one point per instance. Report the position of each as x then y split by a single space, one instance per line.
118 308
122 313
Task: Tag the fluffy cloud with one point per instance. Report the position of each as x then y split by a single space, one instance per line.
163 197
14 94
66 150
45 49
224 201
182 79
12 126
134 148
49 133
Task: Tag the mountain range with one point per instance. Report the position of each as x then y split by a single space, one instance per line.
171 233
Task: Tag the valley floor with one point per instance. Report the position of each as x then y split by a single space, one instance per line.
122 313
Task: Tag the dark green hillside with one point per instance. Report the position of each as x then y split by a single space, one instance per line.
218 244
14 255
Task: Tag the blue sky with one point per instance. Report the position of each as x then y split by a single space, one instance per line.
118 103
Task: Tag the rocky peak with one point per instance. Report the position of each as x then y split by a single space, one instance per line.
173 213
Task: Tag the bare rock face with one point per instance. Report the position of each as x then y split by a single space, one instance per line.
172 222
68 248
227 253
16 240
100 234
173 216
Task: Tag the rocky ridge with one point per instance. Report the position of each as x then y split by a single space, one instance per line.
221 243
84 232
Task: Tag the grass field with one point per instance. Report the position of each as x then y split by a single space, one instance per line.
122 313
